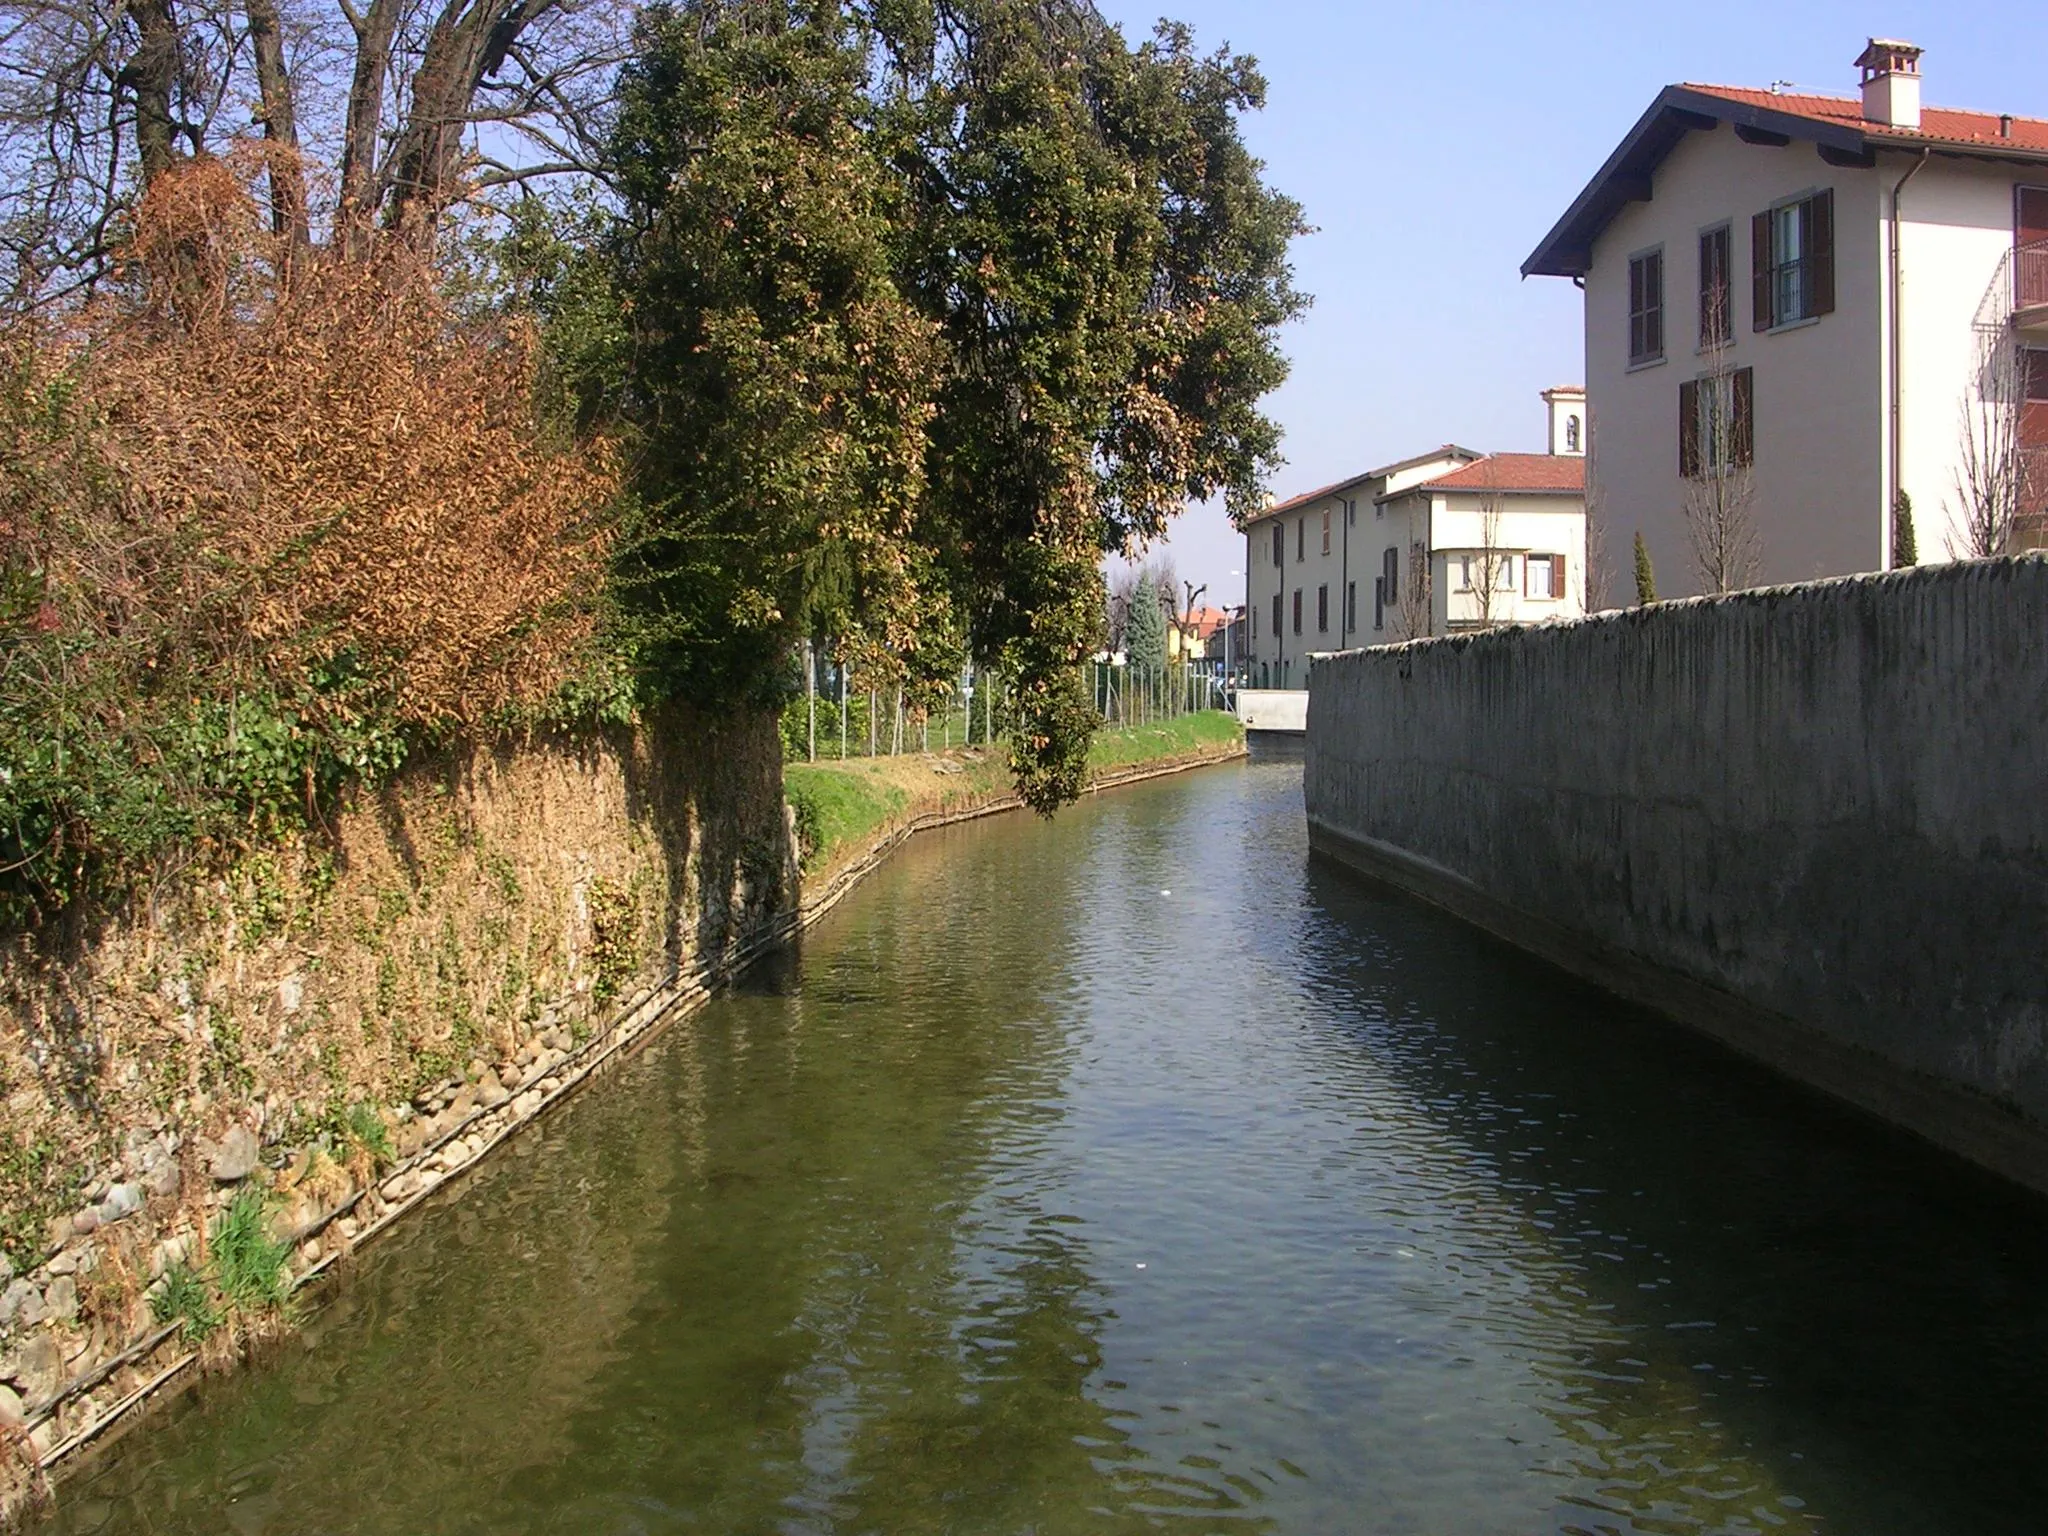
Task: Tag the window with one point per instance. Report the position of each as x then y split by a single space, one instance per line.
1792 250
1279 545
1326 530
1571 434
1350 606
1717 297
1276 615
1252 617
1350 514
1646 307
1297 610
1716 424
2034 411
1543 576
1301 538
1390 573
1323 609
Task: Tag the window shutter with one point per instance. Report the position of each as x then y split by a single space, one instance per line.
1636 346
1653 298
1820 261
1760 270
1743 409
1689 429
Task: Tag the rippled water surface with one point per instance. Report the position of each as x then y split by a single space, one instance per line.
1135 1173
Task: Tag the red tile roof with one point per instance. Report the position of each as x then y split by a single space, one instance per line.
1834 123
1938 125
1448 450
1523 473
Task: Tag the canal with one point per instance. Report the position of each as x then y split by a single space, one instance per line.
1133 1173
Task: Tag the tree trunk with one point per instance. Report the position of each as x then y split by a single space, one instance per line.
280 123
374 30
153 75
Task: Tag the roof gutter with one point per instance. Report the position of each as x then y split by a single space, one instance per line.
1898 349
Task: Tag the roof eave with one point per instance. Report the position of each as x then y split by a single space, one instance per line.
1567 251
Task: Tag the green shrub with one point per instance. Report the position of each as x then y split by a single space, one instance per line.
248 1263
185 1300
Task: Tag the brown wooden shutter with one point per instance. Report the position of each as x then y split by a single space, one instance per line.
1820 266
1653 297
1760 271
1743 408
1557 576
1689 429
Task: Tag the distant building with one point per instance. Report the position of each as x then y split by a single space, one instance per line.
1812 291
1389 554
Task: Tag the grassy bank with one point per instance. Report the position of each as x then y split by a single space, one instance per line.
843 806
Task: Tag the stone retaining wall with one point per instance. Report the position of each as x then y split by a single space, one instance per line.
345 1022
1812 820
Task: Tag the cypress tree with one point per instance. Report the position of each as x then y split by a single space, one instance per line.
1646 579
1905 547
1145 628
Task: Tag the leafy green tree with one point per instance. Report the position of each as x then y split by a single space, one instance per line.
779 384
1145 627
933 303
1646 578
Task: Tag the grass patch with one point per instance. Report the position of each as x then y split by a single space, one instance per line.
184 1299
840 804
836 805
1122 746
248 1263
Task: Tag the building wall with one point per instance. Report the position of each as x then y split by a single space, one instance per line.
1526 525
1955 278
1820 409
1806 819
1304 567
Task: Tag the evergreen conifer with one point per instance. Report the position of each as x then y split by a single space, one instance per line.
1905 547
1646 578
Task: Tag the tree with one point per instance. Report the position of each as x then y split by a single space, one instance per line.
373 115
1413 609
1992 484
1646 578
1490 565
1905 545
1716 455
780 381
1145 627
1081 231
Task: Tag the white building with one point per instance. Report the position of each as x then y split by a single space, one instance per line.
1807 290
1337 567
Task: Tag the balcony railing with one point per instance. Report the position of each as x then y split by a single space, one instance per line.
2030 275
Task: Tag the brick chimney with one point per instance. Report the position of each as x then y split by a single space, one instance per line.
1891 83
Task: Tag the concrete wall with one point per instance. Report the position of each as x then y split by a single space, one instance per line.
1273 709
1811 820
1820 406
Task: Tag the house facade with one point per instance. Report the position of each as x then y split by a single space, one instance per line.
1499 541
1392 554
1798 307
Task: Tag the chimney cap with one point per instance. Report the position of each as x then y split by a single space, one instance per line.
1889 55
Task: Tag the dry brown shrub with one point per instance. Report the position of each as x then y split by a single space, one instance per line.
314 458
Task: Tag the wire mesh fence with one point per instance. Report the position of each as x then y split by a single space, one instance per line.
836 715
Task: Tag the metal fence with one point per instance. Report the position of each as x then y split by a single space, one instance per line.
835 716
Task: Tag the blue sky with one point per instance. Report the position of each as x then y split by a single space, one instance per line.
1432 146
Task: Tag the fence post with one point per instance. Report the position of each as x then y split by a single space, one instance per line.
811 696
842 712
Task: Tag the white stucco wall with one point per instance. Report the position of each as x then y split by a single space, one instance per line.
1956 231
1541 525
1820 410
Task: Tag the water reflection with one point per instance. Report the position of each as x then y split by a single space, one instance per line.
1135 1173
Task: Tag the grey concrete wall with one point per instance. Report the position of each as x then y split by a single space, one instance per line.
1812 820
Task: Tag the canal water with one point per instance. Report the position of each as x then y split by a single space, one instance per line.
1136 1173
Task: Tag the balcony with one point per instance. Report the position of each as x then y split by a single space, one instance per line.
2030 286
